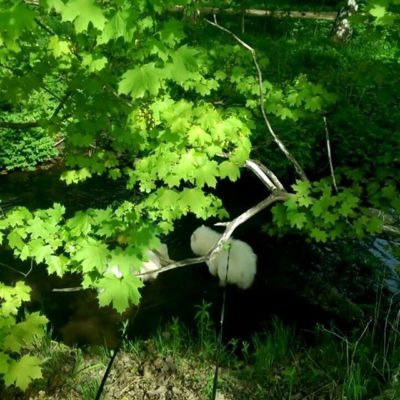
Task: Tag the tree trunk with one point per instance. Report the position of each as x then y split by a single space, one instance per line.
342 30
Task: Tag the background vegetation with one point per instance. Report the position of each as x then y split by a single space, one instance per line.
175 102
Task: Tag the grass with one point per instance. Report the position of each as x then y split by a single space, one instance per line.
275 364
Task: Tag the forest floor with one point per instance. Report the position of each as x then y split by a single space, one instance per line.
178 364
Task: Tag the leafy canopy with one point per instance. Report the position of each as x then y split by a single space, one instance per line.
171 105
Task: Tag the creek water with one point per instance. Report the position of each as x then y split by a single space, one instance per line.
75 316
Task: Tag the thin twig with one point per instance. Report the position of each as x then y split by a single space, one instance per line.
56 144
24 274
44 27
328 146
277 140
358 341
71 289
66 96
345 340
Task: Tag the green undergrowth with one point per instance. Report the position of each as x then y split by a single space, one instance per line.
278 363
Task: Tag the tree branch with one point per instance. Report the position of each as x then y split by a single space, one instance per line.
265 175
328 146
250 12
277 140
230 227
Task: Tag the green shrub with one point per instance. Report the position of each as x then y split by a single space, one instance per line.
25 149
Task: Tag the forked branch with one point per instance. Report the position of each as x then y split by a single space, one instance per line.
230 227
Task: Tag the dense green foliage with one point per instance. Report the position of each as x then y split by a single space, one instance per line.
25 150
171 103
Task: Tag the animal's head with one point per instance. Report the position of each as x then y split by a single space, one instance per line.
202 240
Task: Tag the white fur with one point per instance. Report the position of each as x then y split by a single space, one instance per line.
242 260
153 263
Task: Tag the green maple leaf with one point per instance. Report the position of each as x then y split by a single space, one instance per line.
56 265
92 255
320 206
319 235
10 307
374 225
172 32
37 228
56 213
186 166
5 360
296 219
196 135
94 64
348 205
329 217
58 47
80 224
389 191
139 81
167 197
206 174
120 292
230 170
39 250
23 333
18 216
284 112
193 199
15 240
313 103
13 297
82 13
23 371
117 27
14 20
302 187
280 215
184 62
378 11
77 176
121 259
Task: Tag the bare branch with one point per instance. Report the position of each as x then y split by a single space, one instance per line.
265 175
24 274
264 178
44 27
71 289
328 146
321 15
277 140
62 140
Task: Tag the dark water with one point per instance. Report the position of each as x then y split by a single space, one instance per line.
75 316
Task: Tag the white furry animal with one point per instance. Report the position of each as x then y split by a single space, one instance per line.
153 263
242 260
